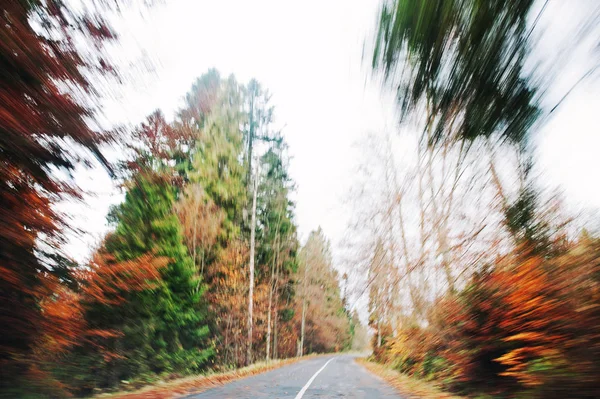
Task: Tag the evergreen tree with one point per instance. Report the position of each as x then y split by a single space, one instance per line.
164 327
258 122
277 240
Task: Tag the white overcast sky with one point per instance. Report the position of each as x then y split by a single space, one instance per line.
308 54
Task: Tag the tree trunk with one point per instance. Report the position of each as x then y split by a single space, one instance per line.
194 246
303 306
272 288
275 332
227 350
194 241
250 134
251 282
275 307
302 327
269 324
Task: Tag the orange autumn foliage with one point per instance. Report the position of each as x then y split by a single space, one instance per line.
528 326
107 279
228 300
63 324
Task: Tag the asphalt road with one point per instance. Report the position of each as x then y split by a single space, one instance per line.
324 377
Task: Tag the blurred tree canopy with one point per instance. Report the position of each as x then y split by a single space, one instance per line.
48 106
462 61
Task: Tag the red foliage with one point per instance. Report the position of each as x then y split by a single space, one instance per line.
42 86
107 280
63 325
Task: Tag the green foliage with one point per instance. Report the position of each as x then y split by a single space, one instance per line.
163 328
226 121
213 115
213 111
327 323
463 61
286 315
167 292
529 227
258 123
275 213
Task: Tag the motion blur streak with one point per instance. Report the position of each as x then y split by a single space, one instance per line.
490 286
38 121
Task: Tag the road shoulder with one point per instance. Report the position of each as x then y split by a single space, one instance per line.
406 386
182 387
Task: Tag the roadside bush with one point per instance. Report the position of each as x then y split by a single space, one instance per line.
526 326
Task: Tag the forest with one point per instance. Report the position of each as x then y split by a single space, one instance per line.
202 268
474 276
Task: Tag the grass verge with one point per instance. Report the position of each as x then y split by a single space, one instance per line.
195 384
409 387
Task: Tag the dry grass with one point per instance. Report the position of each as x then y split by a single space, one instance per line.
198 383
408 387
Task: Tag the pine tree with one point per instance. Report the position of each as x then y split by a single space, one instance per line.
277 241
166 329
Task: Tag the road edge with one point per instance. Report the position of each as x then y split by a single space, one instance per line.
191 385
405 385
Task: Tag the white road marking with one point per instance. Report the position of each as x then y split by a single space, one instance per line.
305 387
